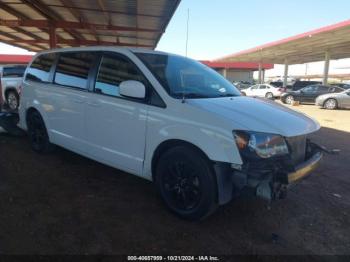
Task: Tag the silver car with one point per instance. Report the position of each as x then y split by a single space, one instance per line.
334 100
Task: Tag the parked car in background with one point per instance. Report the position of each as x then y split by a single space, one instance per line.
334 100
342 85
242 84
11 80
263 90
168 119
301 84
308 94
276 83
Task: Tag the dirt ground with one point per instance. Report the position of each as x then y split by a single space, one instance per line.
66 204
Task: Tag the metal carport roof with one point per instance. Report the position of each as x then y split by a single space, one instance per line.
303 48
40 24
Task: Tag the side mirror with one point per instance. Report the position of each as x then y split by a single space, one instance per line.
133 89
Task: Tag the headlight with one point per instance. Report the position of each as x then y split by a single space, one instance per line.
260 145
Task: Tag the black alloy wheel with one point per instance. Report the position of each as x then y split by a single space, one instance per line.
186 183
37 133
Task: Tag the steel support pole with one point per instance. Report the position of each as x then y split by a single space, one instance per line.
225 72
53 37
326 68
285 76
260 73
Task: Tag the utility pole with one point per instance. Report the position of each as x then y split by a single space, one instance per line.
188 19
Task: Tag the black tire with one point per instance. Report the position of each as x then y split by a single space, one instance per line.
269 95
12 100
186 182
330 104
37 133
288 99
243 94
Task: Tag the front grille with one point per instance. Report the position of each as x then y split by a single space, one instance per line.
297 145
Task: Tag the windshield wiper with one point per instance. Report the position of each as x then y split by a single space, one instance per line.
227 95
189 95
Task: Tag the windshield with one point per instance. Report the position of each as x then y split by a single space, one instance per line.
185 77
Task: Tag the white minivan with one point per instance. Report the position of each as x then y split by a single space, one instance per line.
168 119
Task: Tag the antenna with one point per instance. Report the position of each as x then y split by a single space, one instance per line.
188 19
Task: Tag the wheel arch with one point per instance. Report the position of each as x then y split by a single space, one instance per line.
166 145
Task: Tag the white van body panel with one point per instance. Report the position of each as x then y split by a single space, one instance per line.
125 134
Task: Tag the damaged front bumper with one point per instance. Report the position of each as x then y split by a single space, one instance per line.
267 179
304 169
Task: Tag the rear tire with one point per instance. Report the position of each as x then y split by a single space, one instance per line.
269 95
37 133
12 100
186 183
330 104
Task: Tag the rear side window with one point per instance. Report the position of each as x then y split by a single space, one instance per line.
73 69
39 71
114 70
16 71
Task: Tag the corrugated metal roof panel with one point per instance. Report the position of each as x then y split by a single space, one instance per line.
126 20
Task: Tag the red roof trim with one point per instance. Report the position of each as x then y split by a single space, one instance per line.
292 38
15 59
236 65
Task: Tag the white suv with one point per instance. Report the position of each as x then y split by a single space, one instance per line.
168 119
11 80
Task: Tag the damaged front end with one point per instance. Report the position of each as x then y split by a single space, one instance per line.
269 173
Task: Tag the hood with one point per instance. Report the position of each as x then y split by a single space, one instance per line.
259 115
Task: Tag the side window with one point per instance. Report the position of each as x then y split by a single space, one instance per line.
114 70
16 71
262 87
254 87
73 69
39 71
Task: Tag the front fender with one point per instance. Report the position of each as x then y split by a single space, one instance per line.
216 142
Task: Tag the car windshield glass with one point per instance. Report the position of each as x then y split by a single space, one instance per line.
181 76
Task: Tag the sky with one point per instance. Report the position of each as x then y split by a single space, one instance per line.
221 27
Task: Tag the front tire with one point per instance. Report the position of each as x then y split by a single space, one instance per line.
37 133
186 183
289 99
12 100
330 104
